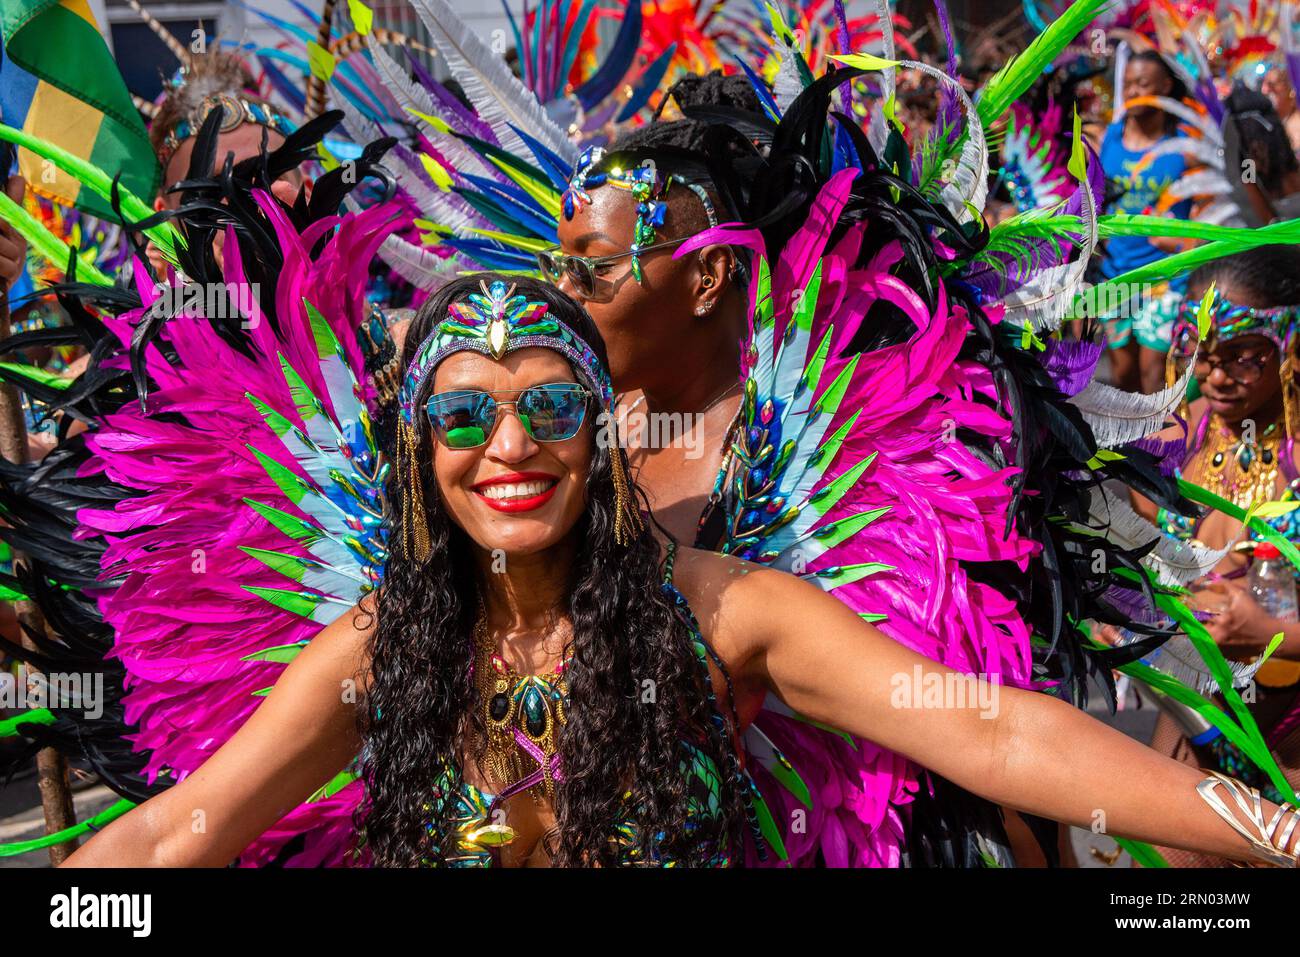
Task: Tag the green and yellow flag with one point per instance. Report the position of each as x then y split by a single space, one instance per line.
59 82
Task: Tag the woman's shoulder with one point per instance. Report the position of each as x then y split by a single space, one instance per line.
698 572
345 642
733 598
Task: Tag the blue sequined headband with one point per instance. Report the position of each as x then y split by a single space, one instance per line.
235 111
1228 320
496 322
646 184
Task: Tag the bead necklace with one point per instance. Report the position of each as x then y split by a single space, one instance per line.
1254 477
709 525
523 715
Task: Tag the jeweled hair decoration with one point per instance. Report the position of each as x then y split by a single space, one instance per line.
648 187
236 110
1229 320
496 322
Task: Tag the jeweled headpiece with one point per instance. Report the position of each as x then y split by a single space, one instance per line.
1229 320
496 322
648 187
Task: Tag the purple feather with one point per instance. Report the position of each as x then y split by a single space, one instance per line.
941 9
467 119
1071 363
1132 605
1170 453
846 47
1209 96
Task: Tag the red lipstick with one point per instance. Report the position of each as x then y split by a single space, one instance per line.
521 502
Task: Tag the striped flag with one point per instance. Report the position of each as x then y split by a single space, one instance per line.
59 82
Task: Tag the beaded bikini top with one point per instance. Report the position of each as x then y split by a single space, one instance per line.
479 829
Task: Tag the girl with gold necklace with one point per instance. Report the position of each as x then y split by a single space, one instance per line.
1240 445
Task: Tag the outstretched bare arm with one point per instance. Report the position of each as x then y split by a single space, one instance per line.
1021 749
299 738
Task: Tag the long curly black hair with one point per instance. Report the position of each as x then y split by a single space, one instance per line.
422 721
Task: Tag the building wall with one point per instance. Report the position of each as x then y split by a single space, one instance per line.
145 60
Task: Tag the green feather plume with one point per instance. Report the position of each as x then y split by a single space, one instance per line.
1019 74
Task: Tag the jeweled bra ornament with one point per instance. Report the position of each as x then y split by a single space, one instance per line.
496 322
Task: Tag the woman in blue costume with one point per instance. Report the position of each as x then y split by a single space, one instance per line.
1138 343
540 679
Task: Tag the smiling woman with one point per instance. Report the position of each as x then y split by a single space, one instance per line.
554 683
526 509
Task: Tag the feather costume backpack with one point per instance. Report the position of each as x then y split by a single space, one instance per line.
939 468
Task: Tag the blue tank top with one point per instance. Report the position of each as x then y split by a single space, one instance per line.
1142 186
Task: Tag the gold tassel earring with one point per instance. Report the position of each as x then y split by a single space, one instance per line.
627 517
415 530
1171 376
1290 411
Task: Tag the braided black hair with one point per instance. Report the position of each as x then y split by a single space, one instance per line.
1270 274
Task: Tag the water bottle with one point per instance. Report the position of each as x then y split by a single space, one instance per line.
1272 583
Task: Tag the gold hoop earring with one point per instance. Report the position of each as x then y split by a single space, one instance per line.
708 282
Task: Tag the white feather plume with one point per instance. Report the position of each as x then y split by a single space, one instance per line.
886 25
498 96
1122 55
877 129
408 94
970 183
1222 212
787 84
1048 297
416 265
1118 417
1207 127
1174 563
1206 182
1202 151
